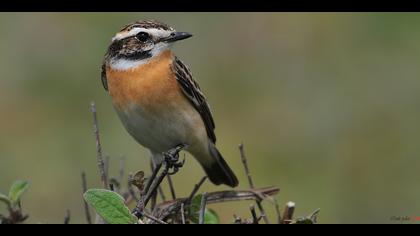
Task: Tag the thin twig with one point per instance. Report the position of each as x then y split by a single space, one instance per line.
237 219
245 163
162 194
15 216
100 160
288 213
166 209
171 187
154 199
251 182
195 190
131 193
152 178
254 214
107 163
277 206
84 189
116 184
203 208
67 217
155 193
314 216
153 184
160 190
121 171
182 214
154 219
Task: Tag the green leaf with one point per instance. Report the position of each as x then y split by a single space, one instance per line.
18 188
5 199
110 206
194 208
211 217
311 219
314 216
303 221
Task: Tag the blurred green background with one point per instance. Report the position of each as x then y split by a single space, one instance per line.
327 104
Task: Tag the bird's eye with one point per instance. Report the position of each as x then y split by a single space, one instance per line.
142 36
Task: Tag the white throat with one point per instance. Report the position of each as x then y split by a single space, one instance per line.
125 64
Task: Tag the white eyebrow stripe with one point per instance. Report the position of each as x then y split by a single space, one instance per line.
154 32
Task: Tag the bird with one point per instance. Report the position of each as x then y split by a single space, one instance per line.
157 99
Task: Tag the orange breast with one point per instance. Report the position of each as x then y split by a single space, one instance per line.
150 86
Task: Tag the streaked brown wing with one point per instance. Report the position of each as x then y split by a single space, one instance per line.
192 91
103 77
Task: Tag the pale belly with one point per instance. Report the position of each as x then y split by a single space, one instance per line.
162 131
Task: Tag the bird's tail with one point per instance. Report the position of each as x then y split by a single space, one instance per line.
218 170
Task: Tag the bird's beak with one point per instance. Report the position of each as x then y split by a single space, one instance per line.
176 36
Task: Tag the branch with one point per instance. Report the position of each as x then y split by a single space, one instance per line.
152 186
255 219
154 219
152 178
155 185
84 189
67 217
183 214
162 194
15 216
101 163
288 213
276 204
107 160
160 190
121 171
166 209
171 187
195 190
100 158
254 194
153 199
171 161
245 163
237 219
251 183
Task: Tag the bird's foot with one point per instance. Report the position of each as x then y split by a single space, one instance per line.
171 159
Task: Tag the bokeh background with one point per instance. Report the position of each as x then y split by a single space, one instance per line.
327 104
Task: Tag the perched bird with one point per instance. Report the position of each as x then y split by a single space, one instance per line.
157 99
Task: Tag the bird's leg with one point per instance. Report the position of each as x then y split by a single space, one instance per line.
171 159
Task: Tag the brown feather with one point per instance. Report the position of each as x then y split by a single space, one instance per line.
192 91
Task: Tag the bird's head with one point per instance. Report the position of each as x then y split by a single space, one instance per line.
142 40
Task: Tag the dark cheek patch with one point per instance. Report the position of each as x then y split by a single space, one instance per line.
128 48
115 48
